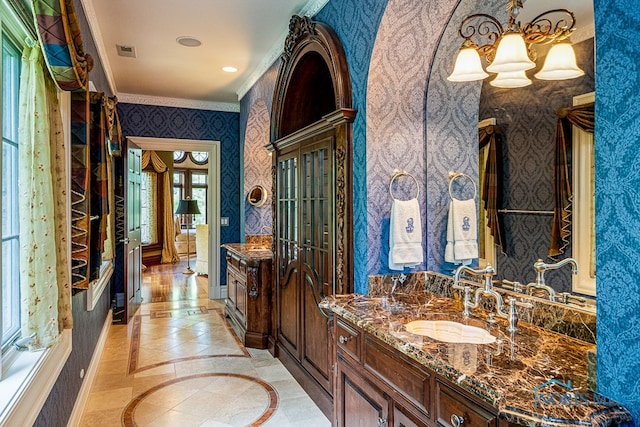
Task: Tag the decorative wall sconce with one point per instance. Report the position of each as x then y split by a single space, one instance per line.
508 51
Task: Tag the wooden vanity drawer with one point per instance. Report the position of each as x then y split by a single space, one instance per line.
410 381
348 339
451 404
233 260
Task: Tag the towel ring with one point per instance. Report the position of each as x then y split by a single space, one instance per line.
454 175
398 173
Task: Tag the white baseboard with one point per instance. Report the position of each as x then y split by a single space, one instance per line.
90 375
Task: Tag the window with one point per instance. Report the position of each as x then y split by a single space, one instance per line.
199 157
179 156
11 61
193 184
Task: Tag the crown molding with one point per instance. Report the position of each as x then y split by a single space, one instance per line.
131 98
92 20
310 9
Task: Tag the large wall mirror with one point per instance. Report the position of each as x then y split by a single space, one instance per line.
528 118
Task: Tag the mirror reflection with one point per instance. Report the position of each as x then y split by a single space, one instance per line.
257 195
529 162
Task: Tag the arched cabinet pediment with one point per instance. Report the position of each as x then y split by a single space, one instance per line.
311 136
313 68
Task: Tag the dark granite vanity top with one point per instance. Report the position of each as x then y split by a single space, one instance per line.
522 375
249 251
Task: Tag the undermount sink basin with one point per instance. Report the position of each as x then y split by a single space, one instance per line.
452 332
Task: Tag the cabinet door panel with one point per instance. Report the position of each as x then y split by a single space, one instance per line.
359 404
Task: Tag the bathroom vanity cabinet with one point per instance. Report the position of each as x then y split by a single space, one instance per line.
388 376
248 303
379 386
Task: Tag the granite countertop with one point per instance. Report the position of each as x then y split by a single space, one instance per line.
249 251
511 374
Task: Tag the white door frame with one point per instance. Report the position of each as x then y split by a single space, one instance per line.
213 194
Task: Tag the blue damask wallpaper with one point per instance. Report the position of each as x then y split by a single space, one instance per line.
617 200
356 23
186 123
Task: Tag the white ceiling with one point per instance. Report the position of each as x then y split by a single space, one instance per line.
246 34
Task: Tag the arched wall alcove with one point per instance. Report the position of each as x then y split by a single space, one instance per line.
257 167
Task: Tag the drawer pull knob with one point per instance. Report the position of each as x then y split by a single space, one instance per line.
457 420
382 422
343 339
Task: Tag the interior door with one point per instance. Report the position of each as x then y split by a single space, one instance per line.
288 293
316 254
305 247
132 241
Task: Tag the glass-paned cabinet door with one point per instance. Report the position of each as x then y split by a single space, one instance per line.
316 214
287 206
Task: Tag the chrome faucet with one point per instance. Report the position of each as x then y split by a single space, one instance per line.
266 228
487 291
540 268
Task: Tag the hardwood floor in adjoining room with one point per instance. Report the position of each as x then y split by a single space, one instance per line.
178 363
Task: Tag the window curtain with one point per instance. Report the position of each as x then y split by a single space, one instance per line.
44 279
169 251
491 136
99 206
583 117
149 211
59 34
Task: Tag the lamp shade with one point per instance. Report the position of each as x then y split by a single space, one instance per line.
187 206
511 80
511 55
468 67
560 64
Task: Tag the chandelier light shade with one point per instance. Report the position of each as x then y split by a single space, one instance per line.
560 64
509 49
511 55
511 79
468 66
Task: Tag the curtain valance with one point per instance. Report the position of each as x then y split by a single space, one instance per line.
583 117
59 34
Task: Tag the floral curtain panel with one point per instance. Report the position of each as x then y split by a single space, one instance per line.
44 281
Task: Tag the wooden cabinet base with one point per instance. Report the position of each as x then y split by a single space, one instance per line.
248 303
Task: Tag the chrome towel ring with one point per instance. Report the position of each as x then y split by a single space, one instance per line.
397 173
454 175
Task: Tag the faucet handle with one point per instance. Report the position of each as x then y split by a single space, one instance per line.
514 286
567 298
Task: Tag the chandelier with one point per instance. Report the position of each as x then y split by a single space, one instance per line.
509 52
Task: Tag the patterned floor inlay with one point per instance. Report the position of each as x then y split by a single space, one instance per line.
252 404
179 363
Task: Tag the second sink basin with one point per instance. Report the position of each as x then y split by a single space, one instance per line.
452 332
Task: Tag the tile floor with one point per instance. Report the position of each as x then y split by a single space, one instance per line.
178 363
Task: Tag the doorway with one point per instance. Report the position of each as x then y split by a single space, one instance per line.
216 290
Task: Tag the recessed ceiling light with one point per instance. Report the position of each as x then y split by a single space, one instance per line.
229 69
188 41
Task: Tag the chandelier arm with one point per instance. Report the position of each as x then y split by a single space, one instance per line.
543 30
482 27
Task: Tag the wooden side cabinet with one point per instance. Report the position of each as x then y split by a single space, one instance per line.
248 303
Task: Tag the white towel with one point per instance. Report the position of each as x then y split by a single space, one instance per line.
462 232
405 235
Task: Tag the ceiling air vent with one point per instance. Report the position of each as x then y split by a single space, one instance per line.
128 51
